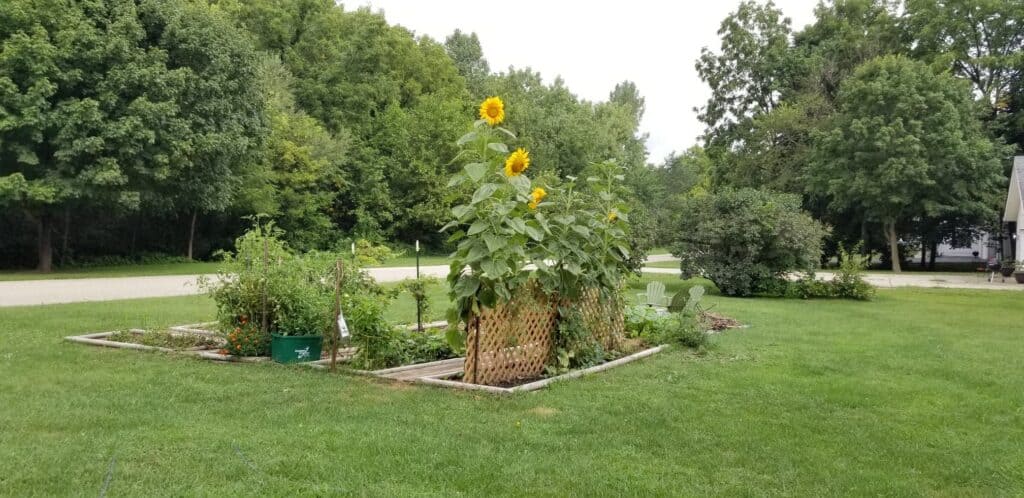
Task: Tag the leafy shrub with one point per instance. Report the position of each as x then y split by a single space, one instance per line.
849 279
376 340
418 347
575 345
265 283
746 240
247 340
848 282
683 329
644 321
807 287
417 288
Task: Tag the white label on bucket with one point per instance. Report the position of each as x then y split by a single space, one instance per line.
342 326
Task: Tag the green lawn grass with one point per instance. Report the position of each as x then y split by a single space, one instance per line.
915 393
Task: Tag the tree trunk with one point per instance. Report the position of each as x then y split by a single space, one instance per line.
45 238
864 243
65 236
924 251
192 233
931 257
894 244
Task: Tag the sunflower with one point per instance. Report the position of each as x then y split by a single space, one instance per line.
612 216
517 162
537 194
492 110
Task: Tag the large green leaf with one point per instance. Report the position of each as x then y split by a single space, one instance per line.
465 139
466 286
534 233
498 147
485 191
494 242
477 227
580 229
476 171
517 224
456 180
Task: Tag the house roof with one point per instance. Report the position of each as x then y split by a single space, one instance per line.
1015 196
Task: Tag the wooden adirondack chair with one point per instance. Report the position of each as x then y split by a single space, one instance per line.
655 295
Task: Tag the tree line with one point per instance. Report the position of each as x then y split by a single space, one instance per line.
134 127
894 121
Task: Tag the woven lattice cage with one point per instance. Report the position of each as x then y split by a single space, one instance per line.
513 341
510 342
603 317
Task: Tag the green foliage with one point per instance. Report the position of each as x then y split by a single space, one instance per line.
164 339
849 279
847 283
645 321
381 345
418 288
750 73
123 105
375 339
575 346
368 254
684 329
247 339
263 282
906 143
574 234
665 328
744 239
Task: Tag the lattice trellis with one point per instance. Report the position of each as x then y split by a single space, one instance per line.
510 342
603 317
513 341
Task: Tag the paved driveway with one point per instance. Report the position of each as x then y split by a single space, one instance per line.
32 292
893 280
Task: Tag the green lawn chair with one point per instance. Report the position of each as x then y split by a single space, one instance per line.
655 295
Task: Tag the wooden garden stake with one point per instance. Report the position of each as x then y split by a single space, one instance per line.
263 288
338 269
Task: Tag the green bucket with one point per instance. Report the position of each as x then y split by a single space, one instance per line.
295 348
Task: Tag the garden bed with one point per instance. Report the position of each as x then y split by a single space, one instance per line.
450 379
197 341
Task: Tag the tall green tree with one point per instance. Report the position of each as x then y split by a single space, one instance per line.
749 74
906 143
468 56
981 41
111 104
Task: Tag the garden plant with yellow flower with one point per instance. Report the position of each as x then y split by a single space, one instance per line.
492 111
506 223
517 162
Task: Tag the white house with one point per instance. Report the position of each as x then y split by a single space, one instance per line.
1013 215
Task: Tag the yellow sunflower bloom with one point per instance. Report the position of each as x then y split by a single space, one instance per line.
537 194
612 216
517 162
492 110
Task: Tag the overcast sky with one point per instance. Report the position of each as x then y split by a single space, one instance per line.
594 45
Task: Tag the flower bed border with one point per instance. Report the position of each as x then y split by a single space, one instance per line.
437 380
441 381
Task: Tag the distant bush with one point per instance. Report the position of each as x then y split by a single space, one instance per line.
848 282
746 240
